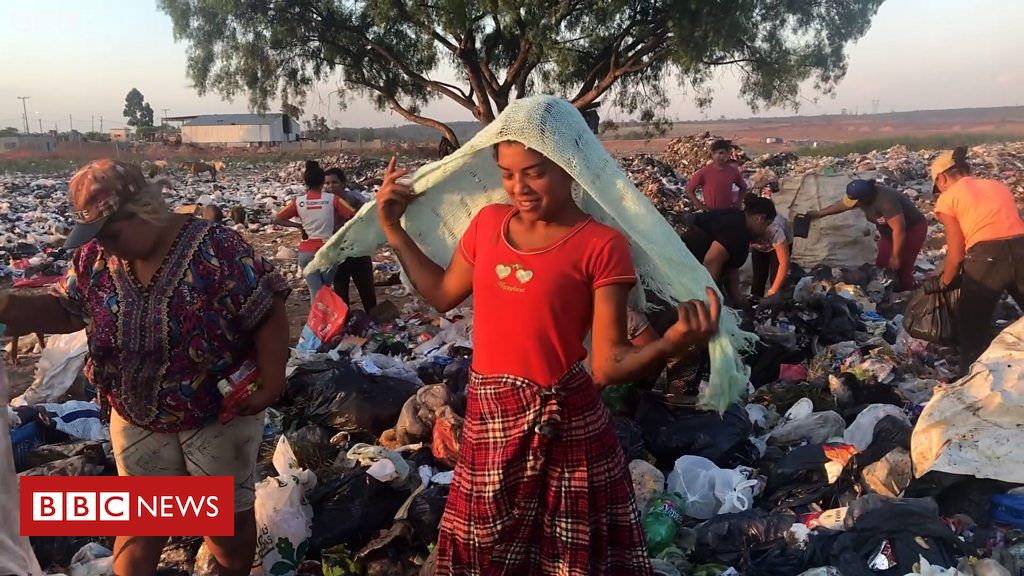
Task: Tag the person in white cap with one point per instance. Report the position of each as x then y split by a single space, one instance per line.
984 248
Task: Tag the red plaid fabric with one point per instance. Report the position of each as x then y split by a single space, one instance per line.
541 487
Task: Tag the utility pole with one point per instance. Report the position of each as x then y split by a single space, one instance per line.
101 123
24 110
874 105
71 124
163 120
40 125
93 120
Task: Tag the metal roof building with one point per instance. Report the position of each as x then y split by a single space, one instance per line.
238 129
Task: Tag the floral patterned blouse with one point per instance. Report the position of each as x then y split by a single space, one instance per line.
157 353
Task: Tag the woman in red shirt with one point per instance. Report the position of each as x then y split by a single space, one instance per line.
542 486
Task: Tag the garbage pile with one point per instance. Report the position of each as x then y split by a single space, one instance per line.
816 472
690 153
360 170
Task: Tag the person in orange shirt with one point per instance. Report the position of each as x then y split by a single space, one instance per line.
984 248
320 215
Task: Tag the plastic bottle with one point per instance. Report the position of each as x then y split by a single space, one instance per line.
662 522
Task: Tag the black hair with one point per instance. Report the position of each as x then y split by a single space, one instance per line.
313 176
758 206
960 163
721 145
336 172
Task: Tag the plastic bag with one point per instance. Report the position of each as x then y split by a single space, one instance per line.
670 431
728 536
889 476
630 436
60 363
426 510
932 317
284 518
707 490
418 413
92 560
325 324
382 464
862 431
648 482
447 431
801 424
351 510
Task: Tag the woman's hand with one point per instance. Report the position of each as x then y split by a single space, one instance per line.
393 197
262 398
697 323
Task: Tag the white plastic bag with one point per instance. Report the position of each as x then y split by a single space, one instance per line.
59 365
862 431
802 423
16 556
707 490
93 559
284 519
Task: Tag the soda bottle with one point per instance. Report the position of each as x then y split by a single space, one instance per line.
662 522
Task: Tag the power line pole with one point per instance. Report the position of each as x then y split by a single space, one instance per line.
93 120
40 125
101 123
24 110
874 105
163 120
71 124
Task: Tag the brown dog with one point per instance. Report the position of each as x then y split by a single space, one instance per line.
197 168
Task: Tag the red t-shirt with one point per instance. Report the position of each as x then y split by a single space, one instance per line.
342 213
532 311
716 185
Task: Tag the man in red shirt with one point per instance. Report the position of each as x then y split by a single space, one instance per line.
715 181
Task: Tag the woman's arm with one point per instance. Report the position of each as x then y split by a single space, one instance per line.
956 248
285 216
715 260
617 361
271 339
899 236
782 253
42 314
442 289
837 208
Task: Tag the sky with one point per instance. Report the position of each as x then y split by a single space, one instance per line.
76 60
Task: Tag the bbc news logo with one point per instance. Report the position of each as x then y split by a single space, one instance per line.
127 506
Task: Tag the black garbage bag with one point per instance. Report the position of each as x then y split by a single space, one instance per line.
889 539
765 360
959 494
55 552
839 321
630 437
800 478
780 560
425 512
673 431
333 394
726 537
931 316
890 433
312 447
351 509
48 453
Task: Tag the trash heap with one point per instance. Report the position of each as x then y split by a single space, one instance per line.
690 153
358 169
813 473
660 184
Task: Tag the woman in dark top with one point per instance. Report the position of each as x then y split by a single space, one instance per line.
901 227
720 239
359 270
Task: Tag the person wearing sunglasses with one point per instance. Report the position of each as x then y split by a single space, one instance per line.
172 305
902 229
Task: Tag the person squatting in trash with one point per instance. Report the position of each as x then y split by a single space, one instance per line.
358 270
171 304
542 486
984 248
720 240
770 253
320 215
716 180
902 229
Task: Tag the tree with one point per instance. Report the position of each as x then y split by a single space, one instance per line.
9 131
317 128
137 110
621 50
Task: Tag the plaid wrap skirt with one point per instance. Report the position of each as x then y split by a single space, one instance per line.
541 487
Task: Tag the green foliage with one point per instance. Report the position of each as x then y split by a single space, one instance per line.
624 51
9 131
317 129
936 142
137 110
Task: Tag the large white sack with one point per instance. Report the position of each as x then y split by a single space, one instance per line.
973 426
60 363
845 240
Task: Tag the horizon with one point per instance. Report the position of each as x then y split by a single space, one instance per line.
133 42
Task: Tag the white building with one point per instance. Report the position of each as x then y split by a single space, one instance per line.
39 142
239 129
120 134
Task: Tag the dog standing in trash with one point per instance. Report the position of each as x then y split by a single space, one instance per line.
155 168
197 168
12 356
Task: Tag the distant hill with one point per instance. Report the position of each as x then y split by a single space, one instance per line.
407 132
